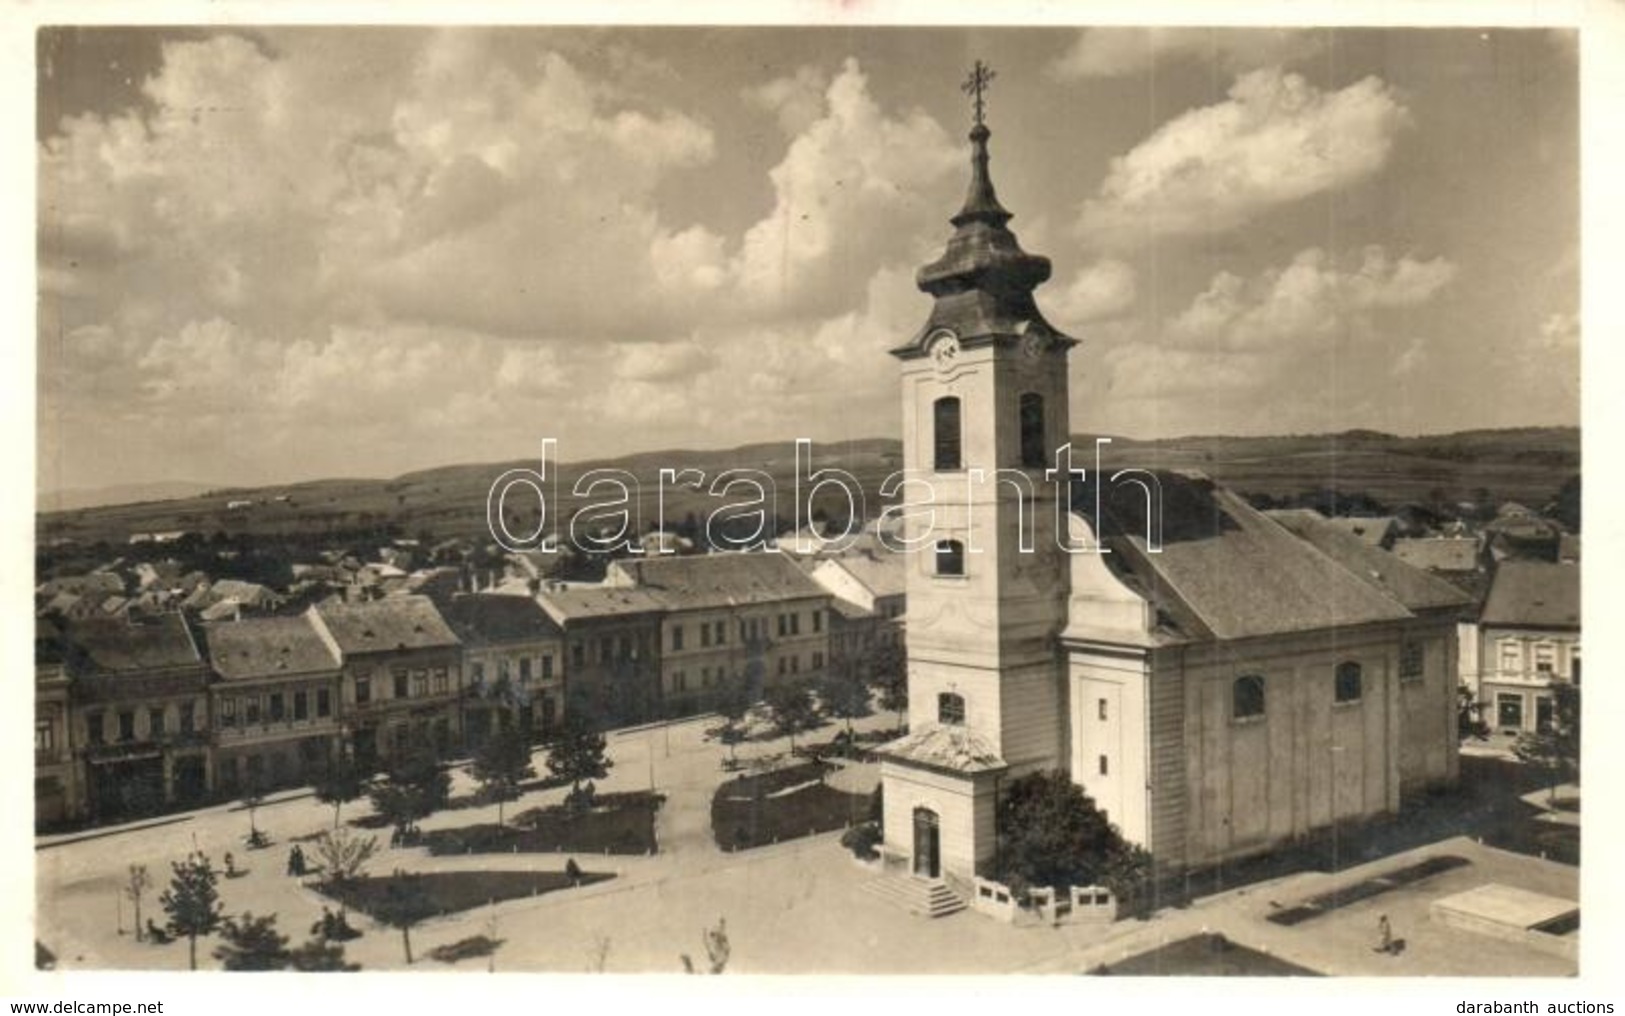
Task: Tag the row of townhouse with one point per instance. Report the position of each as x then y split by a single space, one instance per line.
135 715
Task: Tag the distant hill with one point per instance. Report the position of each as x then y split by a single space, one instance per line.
1526 465
129 493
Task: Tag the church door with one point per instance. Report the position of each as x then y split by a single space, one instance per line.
927 851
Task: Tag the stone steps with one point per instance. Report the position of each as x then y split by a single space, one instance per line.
919 896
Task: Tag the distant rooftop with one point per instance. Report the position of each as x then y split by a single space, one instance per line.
267 647
395 622
697 582
1534 593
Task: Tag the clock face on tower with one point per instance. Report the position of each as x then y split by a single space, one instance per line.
1033 346
944 349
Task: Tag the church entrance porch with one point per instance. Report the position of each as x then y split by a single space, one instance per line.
927 844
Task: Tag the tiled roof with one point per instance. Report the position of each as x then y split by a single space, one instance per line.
396 622
883 574
266 647
1225 570
1370 530
572 602
720 580
488 618
119 646
1534 593
1439 553
945 746
1411 586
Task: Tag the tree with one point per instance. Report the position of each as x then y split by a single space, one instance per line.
578 754
340 782
136 886
844 696
252 943
1051 834
1469 720
253 797
1556 748
732 703
406 902
501 765
791 708
344 854
888 672
192 900
318 956
417 788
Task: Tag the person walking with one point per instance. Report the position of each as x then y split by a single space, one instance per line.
1385 935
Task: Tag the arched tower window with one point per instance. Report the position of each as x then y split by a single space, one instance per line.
1033 451
945 419
950 557
951 708
1348 682
1247 697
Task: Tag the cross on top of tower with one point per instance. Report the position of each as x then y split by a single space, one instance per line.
980 78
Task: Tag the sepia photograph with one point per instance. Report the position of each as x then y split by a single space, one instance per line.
822 498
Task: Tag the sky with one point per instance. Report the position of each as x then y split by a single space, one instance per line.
272 254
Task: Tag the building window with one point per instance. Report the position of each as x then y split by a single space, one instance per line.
547 667
1545 660
420 683
951 708
680 681
1511 657
188 718
795 624
1411 658
722 633
623 647
705 636
477 673
817 660
1247 697
251 709
676 637
945 419
301 705
950 557
524 670
363 690
44 738
1100 708
228 712
400 683
1509 711
1032 431
606 647
818 620
276 707
94 728
126 725
1105 768
1348 682
795 664
784 626
155 722
784 666
442 680
324 702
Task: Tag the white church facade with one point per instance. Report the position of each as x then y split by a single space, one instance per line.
1222 682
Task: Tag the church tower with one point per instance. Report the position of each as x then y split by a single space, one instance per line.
984 387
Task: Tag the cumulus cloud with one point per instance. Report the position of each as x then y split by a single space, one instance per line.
1104 289
1309 302
1114 52
797 101
1277 139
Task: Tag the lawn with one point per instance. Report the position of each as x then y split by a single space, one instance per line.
753 811
1205 956
619 824
413 897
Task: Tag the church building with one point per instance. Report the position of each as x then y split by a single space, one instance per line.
1220 680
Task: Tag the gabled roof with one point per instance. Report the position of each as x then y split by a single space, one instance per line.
575 603
1439 553
883 574
492 618
268 647
1225 570
1373 531
1534 593
703 581
1413 587
120 646
396 622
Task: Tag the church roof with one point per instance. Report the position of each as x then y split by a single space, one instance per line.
1224 569
983 282
945 746
1408 584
